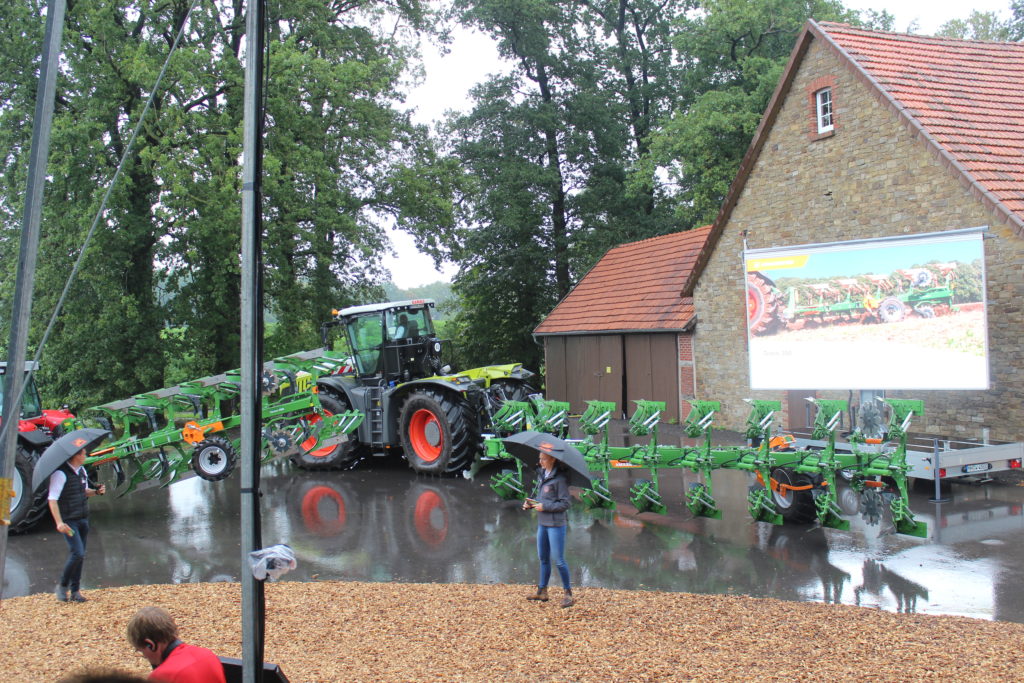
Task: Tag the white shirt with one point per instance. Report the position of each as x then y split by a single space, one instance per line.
58 478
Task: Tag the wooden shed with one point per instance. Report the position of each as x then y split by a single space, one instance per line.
624 332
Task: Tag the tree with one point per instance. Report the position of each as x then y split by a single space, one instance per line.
734 52
548 153
340 160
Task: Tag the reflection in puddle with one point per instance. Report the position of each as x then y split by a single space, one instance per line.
386 524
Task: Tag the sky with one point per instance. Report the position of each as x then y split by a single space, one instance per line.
473 57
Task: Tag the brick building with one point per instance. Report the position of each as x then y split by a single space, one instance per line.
868 135
625 331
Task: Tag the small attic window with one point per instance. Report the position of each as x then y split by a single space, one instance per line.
823 110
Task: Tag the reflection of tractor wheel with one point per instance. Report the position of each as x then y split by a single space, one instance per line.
214 458
328 510
343 456
796 507
26 509
891 310
430 520
762 305
438 436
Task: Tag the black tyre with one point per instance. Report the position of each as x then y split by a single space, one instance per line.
502 390
796 507
214 458
891 310
27 507
343 456
438 433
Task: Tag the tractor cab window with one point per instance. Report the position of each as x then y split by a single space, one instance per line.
366 337
30 403
407 324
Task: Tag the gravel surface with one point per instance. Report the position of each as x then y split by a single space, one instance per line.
354 631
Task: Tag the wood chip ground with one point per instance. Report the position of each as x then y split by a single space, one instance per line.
354 631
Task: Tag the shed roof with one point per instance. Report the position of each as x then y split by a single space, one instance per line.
963 98
635 287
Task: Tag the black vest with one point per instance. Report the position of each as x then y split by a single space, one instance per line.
72 502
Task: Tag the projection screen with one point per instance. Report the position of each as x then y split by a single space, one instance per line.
890 313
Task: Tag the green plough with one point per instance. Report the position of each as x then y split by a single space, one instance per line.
796 486
158 436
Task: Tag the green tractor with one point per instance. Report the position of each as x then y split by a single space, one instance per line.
410 399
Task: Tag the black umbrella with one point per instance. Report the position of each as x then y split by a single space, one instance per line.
61 450
527 446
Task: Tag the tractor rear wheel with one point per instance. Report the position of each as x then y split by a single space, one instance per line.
438 434
214 458
795 506
27 506
762 305
343 456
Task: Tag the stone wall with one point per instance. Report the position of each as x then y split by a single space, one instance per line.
870 178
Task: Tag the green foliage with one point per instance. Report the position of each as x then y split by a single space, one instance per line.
340 161
983 26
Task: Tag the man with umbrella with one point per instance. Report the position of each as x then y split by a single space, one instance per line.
64 463
559 464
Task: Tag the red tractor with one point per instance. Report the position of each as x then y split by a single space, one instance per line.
37 428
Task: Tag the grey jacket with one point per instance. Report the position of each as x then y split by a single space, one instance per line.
553 494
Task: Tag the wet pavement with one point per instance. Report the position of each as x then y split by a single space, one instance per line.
384 523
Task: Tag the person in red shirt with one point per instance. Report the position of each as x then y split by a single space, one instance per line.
154 635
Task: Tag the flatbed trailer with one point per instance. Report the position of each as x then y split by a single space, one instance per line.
957 459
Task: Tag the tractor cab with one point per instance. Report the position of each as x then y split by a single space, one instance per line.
392 342
31 406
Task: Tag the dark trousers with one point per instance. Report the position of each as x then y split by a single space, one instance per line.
72 576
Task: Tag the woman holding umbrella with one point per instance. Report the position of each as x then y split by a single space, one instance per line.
68 493
551 503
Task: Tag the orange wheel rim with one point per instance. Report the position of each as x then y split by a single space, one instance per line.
425 435
431 518
306 445
311 512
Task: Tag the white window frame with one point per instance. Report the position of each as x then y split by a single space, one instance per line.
823 110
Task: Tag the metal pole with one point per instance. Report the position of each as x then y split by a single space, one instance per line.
252 340
22 306
936 466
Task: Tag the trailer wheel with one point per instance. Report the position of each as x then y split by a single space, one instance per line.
27 506
213 459
795 506
762 305
437 433
343 456
891 310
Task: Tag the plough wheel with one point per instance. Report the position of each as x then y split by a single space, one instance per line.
762 305
342 456
795 506
214 458
891 310
437 434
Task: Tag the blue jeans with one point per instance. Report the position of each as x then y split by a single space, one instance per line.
72 576
551 543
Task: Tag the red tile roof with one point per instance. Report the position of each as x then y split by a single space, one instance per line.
965 98
634 287
967 95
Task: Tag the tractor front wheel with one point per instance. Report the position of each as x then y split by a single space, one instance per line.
343 456
437 436
27 507
214 458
